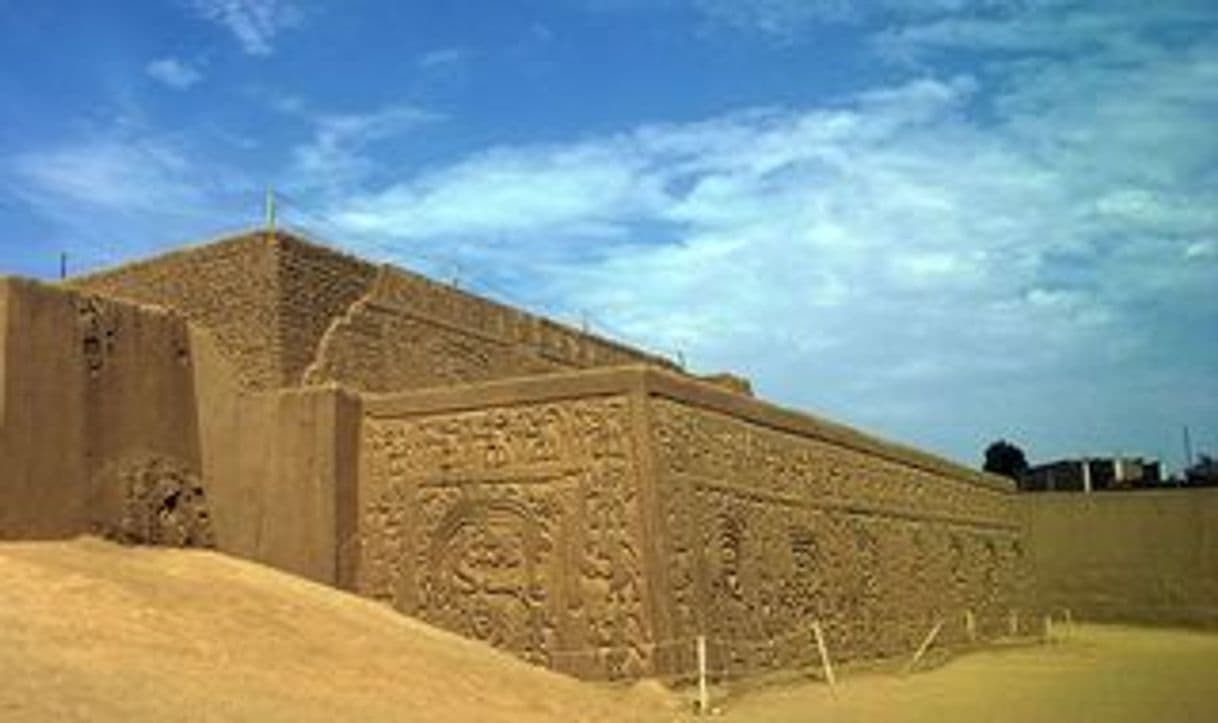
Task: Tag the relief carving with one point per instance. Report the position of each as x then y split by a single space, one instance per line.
783 530
516 525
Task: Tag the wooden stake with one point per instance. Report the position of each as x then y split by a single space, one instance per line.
1048 628
703 696
824 657
925 645
970 626
1013 623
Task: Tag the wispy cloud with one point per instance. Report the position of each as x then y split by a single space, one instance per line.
127 175
174 73
441 58
896 242
254 23
126 187
336 157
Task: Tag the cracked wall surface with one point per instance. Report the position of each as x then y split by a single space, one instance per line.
267 299
286 312
410 333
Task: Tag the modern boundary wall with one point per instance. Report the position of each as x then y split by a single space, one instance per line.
591 521
1131 556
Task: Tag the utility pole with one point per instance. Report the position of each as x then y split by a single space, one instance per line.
1188 449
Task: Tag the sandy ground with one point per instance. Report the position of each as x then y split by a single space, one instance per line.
1104 674
94 631
91 631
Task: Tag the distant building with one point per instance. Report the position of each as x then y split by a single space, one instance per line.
1092 474
1202 474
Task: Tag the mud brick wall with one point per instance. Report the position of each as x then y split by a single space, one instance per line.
598 521
315 286
268 301
97 419
515 520
229 287
1145 556
771 520
412 333
286 313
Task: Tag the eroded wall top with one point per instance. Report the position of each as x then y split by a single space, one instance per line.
230 288
288 312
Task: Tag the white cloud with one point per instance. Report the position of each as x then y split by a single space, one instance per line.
1202 250
875 256
174 73
113 194
777 17
127 175
336 154
254 23
440 58
1013 245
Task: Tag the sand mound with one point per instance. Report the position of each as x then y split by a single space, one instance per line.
94 631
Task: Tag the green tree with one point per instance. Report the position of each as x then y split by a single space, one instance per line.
1006 459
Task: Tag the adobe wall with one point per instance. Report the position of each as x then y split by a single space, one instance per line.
316 285
510 512
594 521
289 313
126 421
229 288
98 424
411 333
769 519
1138 556
279 469
268 301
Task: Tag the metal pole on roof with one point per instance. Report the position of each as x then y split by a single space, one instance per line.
1188 449
270 213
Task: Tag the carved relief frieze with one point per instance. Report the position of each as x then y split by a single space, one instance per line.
518 525
768 531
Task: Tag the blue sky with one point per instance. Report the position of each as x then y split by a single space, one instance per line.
942 221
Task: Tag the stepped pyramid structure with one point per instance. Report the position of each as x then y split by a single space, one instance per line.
583 504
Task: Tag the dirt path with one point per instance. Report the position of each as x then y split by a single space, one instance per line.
90 631
1103 674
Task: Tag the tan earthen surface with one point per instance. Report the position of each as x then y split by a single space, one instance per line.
1135 556
95 632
